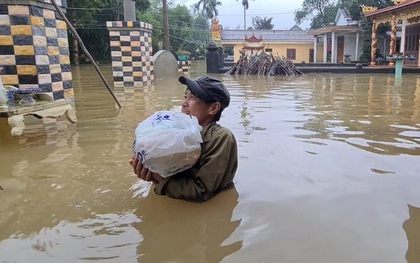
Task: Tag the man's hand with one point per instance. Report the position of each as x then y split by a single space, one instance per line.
142 172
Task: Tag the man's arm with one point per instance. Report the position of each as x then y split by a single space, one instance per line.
215 170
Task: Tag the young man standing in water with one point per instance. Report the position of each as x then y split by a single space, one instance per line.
205 98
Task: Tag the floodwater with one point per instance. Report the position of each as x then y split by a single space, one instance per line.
329 171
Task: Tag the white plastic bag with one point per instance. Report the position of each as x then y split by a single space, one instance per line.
168 142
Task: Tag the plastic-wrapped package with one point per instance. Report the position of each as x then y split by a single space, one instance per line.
168 142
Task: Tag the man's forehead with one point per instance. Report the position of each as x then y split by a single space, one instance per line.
188 91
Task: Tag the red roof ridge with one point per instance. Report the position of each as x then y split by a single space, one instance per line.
253 38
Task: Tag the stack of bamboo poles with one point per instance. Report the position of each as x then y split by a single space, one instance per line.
263 64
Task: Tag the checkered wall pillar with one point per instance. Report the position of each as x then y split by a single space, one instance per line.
184 66
131 53
34 49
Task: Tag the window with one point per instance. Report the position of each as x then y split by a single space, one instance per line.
291 53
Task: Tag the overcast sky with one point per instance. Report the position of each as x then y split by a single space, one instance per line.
231 13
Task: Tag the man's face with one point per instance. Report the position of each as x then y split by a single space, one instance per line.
196 107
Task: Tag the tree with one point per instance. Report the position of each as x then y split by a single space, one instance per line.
181 23
353 6
327 18
245 4
208 8
186 32
80 13
199 37
312 9
262 23
153 16
89 18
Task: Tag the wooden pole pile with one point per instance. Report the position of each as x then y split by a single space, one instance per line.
263 64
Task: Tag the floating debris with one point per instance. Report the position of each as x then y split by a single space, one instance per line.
263 64
1 188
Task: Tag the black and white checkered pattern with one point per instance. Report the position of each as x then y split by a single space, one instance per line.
34 49
131 52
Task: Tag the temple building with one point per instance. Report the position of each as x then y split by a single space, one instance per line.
295 44
343 39
405 13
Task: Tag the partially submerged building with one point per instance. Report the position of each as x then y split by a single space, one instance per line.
333 44
295 44
342 40
405 13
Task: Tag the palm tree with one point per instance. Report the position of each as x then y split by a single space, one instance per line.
208 7
262 23
246 6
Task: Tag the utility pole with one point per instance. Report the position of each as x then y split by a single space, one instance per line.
129 10
244 18
166 41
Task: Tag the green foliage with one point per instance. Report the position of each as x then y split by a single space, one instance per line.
155 18
353 6
228 51
199 37
208 8
313 8
180 22
327 18
89 18
262 23
188 32
245 4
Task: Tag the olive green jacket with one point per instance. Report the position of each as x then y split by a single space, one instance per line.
212 173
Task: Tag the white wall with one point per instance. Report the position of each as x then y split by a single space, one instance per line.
350 46
342 21
383 45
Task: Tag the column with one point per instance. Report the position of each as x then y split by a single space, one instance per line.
392 44
315 48
356 52
131 53
373 44
333 48
403 34
324 60
34 48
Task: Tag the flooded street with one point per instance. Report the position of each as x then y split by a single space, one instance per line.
329 171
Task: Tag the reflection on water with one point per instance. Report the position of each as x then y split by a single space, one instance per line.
412 230
199 232
327 164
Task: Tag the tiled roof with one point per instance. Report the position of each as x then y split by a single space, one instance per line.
390 9
268 35
336 29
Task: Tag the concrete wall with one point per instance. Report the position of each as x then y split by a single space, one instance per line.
34 49
131 52
350 46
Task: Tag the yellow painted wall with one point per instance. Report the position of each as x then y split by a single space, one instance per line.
302 50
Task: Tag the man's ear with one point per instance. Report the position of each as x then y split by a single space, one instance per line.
214 108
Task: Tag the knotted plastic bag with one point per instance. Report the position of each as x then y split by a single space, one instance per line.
168 142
